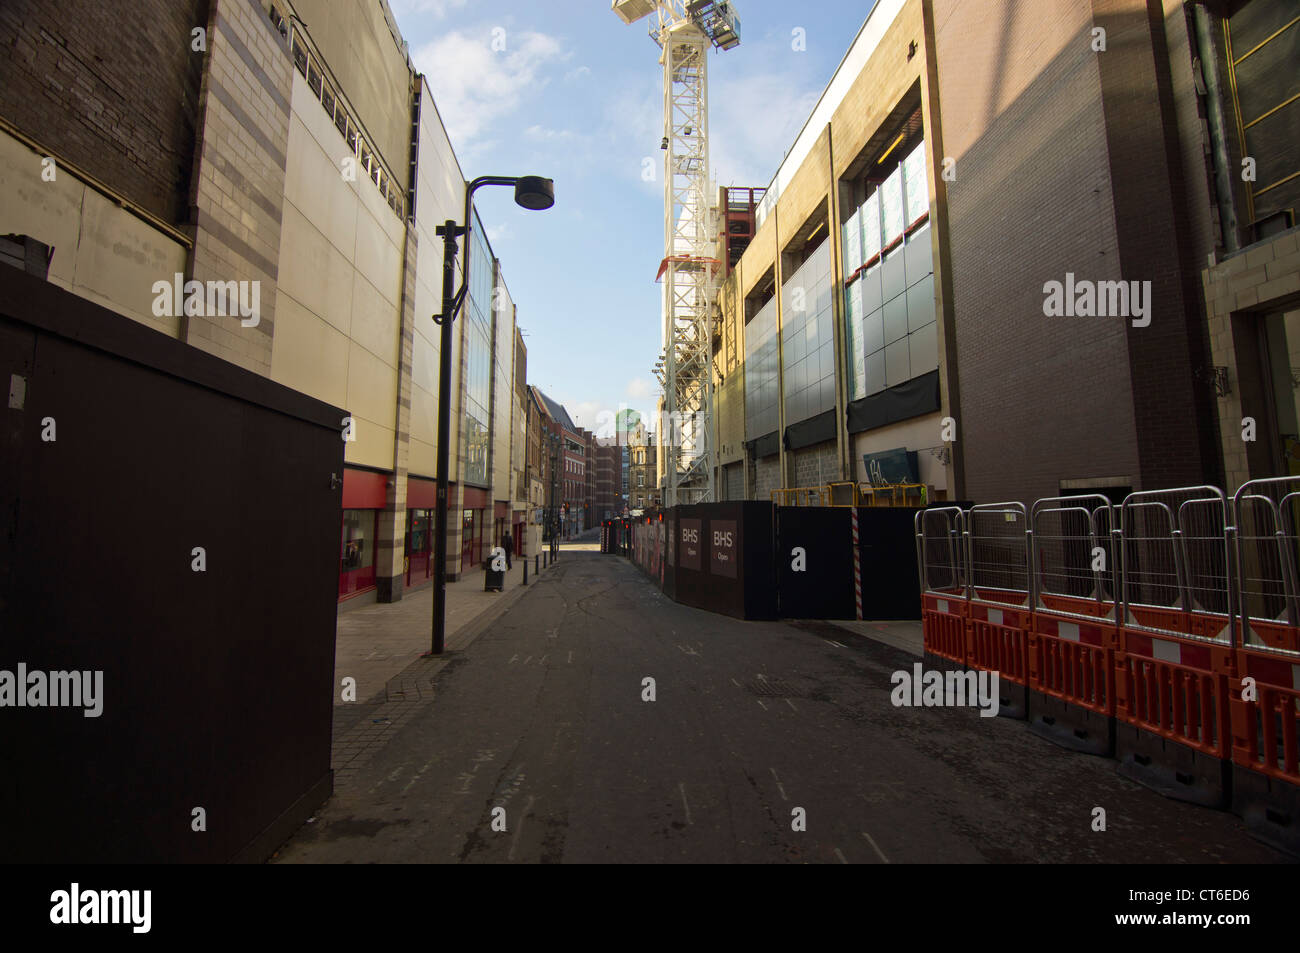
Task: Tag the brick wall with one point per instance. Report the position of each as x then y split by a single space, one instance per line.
814 466
1043 399
83 78
767 477
1173 415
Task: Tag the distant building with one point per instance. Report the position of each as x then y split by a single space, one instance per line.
643 491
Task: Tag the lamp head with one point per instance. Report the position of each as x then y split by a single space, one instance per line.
534 192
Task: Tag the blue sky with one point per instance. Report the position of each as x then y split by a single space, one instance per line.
576 95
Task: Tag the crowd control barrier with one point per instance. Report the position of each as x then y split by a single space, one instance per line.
945 602
1175 657
1163 631
1074 632
997 629
1266 698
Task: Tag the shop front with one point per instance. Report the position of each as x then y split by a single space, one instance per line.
421 498
364 494
475 524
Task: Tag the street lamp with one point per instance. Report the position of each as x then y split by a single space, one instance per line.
531 192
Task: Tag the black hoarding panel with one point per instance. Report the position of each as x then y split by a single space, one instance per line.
814 562
178 539
887 544
734 551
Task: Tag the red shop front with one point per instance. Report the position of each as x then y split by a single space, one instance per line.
421 500
473 520
364 495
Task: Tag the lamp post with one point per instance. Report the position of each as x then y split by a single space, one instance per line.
552 523
531 192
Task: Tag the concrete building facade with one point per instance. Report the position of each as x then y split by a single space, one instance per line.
1011 270
304 166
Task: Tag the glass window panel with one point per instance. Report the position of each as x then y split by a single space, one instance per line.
358 548
853 243
914 184
891 207
870 217
898 366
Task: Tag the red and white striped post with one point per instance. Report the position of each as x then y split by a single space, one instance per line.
857 565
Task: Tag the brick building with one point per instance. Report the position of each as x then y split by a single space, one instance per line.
609 497
643 471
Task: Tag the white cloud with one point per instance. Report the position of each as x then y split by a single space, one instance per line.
474 85
639 388
496 233
577 74
585 414
544 134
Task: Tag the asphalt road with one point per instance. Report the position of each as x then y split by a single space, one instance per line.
543 716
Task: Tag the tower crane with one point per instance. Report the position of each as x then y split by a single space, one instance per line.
684 31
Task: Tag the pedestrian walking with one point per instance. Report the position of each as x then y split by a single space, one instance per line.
508 544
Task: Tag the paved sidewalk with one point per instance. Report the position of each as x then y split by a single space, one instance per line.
382 646
374 643
904 635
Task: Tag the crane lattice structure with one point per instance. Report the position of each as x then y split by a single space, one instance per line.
685 30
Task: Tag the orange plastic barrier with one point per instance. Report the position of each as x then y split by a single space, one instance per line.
997 640
943 626
1074 660
1173 717
1265 729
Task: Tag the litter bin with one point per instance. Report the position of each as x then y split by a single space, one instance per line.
494 571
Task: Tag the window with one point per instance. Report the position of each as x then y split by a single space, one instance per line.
358 551
889 309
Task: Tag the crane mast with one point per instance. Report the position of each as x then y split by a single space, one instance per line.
685 31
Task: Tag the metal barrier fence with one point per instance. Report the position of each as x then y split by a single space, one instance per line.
1164 631
1266 707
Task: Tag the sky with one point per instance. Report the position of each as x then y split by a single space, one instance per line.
562 88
